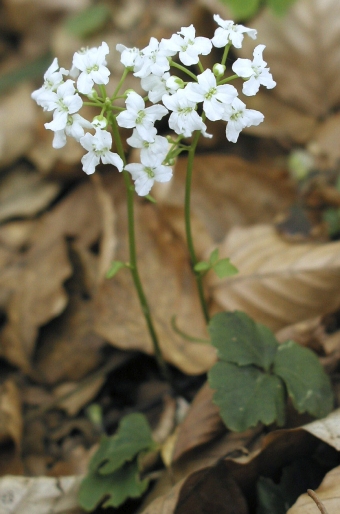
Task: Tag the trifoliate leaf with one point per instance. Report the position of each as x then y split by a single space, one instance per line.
240 340
115 267
88 21
247 395
307 384
223 268
133 436
115 488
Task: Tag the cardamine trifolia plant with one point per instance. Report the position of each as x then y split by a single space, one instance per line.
254 374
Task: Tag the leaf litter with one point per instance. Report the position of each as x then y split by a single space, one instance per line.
74 350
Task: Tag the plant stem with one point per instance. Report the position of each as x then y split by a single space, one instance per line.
130 190
187 209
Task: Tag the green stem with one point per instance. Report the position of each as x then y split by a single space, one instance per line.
119 85
228 79
187 210
130 190
225 53
182 68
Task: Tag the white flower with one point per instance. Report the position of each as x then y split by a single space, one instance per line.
98 147
64 102
255 71
159 86
188 46
91 62
74 128
129 56
159 147
213 97
153 60
228 32
136 115
147 172
238 117
184 118
53 77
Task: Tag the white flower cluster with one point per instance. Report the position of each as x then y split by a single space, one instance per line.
207 92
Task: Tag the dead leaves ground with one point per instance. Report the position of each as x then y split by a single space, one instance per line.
74 353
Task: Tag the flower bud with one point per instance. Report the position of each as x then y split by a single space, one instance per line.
218 70
174 83
93 95
99 122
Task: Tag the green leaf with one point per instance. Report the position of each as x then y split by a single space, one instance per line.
223 268
31 70
115 488
280 7
88 21
242 9
240 340
202 266
115 267
270 497
307 384
133 436
247 395
214 256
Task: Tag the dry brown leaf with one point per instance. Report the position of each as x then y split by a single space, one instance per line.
219 199
328 493
302 50
11 426
37 296
327 429
170 288
17 112
22 495
77 397
202 423
279 283
25 193
325 142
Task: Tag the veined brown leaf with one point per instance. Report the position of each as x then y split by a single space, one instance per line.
279 283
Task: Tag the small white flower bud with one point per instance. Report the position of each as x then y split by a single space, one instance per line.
218 70
99 122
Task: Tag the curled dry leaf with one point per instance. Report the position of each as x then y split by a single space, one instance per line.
25 193
328 493
22 495
279 283
302 50
327 429
37 296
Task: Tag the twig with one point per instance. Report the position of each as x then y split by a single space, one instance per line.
316 499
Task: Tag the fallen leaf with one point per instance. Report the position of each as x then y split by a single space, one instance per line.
327 429
25 193
23 495
218 199
279 283
16 132
302 51
170 288
202 423
37 296
11 427
328 493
